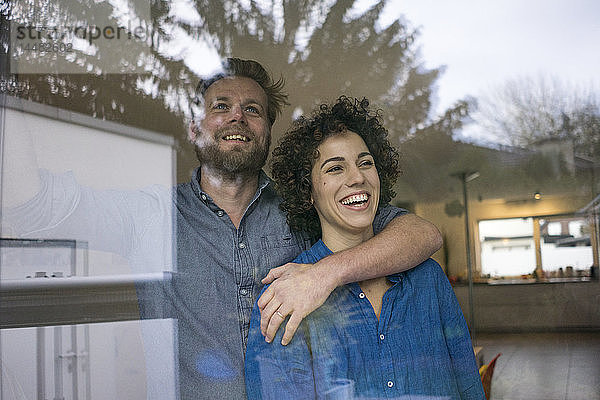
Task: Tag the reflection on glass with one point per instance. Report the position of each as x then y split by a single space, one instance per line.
507 247
566 247
322 49
42 258
88 361
86 175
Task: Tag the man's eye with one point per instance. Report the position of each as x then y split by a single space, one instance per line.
252 109
221 106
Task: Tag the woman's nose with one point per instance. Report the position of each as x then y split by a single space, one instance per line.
355 177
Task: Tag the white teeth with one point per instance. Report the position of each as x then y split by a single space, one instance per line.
236 137
357 198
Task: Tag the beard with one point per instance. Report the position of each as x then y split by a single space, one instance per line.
246 159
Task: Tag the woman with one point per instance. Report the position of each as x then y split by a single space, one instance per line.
394 337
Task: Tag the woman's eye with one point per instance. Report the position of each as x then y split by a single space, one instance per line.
335 168
367 163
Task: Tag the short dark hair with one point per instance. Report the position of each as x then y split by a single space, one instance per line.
276 96
296 152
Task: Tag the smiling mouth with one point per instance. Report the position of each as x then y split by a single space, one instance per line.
355 200
236 137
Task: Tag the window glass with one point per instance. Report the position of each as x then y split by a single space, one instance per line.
498 148
507 247
566 247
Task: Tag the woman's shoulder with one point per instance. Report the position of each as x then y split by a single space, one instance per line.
428 269
317 252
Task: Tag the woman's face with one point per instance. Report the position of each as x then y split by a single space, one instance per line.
345 184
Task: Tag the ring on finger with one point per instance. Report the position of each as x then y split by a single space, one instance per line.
280 314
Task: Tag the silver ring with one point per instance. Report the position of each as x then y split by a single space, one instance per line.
280 314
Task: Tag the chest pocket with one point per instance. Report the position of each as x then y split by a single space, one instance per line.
280 249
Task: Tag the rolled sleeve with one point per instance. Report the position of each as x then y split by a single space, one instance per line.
384 215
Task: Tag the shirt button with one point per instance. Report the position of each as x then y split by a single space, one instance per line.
390 384
361 295
382 336
243 291
220 213
203 197
242 245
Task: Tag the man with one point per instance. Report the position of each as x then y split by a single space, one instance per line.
230 233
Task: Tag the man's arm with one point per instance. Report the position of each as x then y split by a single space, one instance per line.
39 204
298 289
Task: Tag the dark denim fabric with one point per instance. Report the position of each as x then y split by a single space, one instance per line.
419 348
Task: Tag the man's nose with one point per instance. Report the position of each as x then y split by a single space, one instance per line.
237 114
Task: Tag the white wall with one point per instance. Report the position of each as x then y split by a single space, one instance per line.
101 155
99 159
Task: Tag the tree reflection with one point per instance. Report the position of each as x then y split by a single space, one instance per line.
526 111
319 47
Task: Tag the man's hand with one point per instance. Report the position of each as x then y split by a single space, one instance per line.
296 290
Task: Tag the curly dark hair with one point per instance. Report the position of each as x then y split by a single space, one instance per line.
276 95
296 152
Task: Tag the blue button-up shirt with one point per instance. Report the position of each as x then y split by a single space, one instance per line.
419 348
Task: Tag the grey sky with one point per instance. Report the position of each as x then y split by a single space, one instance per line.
484 43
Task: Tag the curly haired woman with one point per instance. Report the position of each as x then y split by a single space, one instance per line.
401 336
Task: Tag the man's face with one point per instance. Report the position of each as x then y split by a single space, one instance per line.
234 135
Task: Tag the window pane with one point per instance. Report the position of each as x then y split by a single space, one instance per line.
566 246
507 247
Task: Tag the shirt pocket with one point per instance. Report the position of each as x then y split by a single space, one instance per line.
279 249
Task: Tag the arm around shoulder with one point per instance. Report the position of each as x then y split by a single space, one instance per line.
405 242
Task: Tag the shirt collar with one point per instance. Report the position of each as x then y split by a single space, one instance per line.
263 182
321 251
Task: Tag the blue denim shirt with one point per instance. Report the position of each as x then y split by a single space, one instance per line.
420 346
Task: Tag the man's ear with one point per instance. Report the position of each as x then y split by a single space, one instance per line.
192 129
